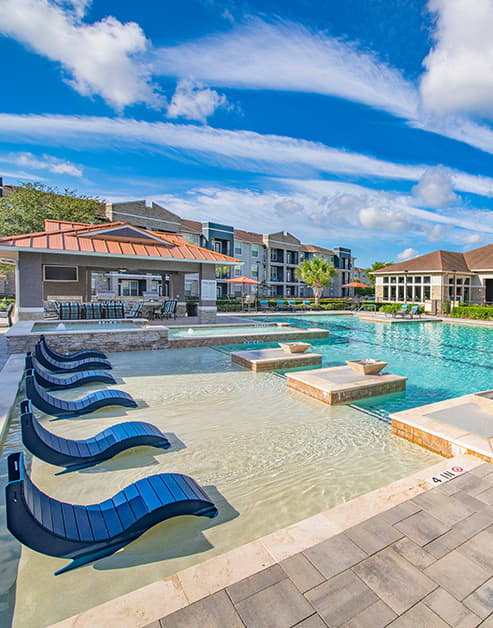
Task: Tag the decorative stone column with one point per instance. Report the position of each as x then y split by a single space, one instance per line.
207 286
177 291
29 287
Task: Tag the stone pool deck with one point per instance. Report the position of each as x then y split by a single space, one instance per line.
407 554
381 318
340 384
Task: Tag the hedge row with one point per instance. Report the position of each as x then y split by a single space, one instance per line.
4 303
473 311
390 308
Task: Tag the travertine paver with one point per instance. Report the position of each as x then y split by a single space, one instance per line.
427 562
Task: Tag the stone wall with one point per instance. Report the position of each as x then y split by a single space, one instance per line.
108 341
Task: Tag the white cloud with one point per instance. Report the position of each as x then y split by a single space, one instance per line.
407 254
79 7
45 162
243 150
473 238
435 188
193 101
437 233
459 76
100 58
384 218
283 55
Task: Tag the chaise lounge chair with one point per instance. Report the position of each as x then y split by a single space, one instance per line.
71 357
414 311
55 366
62 408
87 533
402 312
51 382
78 454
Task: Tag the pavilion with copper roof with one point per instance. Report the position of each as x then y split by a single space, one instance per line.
61 260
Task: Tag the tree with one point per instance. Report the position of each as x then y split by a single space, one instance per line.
317 273
24 208
376 266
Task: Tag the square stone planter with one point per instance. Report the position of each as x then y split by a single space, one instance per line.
367 366
294 347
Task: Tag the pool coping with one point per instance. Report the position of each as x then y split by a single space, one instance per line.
167 595
417 426
11 377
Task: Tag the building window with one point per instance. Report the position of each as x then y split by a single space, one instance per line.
427 279
418 279
409 279
386 279
254 270
254 250
128 287
393 280
393 293
237 270
60 273
417 293
426 293
238 248
401 279
385 293
401 293
409 293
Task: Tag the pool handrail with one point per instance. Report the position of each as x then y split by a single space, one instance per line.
86 533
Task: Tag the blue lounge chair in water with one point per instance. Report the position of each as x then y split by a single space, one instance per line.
52 382
78 454
55 366
62 408
87 533
70 357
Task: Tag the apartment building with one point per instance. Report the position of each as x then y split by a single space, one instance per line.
270 258
360 274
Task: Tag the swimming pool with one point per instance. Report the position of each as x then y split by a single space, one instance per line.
441 360
268 458
190 332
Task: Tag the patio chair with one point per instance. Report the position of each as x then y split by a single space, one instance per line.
264 304
51 382
414 311
281 305
71 357
62 408
8 314
402 312
171 311
57 366
135 311
161 312
306 305
292 304
79 454
87 533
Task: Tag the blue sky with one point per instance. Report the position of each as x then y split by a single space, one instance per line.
363 123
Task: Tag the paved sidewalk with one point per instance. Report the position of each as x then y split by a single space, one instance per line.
427 562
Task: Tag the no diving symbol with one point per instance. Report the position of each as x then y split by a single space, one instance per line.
457 469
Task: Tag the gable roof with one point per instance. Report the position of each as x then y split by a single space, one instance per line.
436 261
115 238
480 259
248 236
190 226
312 248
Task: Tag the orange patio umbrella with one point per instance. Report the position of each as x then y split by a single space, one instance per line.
244 281
355 284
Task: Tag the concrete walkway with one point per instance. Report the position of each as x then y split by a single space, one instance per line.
427 562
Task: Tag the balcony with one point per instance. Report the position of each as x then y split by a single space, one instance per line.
277 256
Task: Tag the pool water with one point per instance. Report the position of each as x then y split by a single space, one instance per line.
441 360
85 326
260 328
267 456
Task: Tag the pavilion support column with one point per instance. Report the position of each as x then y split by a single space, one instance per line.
29 287
88 291
177 291
207 290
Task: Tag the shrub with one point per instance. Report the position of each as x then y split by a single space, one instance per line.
4 303
473 311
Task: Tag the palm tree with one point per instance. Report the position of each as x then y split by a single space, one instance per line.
317 272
